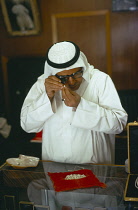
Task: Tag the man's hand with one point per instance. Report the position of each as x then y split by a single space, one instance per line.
71 98
52 85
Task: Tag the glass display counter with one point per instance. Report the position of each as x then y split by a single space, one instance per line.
32 188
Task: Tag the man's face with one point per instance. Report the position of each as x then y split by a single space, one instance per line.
72 78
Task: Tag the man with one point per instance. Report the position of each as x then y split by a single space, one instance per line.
76 106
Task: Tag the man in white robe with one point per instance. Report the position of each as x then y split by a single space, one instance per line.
77 108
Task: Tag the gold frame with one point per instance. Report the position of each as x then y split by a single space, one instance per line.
13 21
125 192
135 123
128 125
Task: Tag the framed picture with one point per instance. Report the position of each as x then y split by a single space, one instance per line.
21 17
124 5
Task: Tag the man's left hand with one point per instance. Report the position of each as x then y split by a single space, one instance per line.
71 98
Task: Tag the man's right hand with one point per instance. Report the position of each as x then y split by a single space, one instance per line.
52 85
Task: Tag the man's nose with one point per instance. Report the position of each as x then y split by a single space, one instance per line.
71 80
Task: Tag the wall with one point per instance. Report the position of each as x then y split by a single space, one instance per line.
121 46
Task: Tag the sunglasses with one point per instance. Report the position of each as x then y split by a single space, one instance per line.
64 78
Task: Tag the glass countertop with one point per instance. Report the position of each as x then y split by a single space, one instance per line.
39 189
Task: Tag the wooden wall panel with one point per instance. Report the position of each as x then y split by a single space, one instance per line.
125 49
94 26
124 37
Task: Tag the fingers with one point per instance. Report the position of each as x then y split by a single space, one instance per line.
66 93
70 98
52 85
53 81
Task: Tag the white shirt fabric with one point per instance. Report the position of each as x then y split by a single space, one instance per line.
82 135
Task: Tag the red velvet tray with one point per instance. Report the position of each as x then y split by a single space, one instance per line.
61 184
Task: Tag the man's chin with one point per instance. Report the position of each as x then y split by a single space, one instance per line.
73 88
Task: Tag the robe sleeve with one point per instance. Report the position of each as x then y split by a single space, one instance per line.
36 109
104 115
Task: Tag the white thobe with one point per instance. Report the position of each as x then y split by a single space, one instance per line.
82 135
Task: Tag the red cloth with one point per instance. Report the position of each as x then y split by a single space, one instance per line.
61 184
38 137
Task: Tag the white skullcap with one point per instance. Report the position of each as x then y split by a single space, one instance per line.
61 52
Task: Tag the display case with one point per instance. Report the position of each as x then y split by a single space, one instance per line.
131 189
32 188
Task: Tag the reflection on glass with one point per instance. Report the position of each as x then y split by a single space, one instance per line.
41 191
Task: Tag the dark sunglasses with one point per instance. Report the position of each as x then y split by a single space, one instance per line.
75 75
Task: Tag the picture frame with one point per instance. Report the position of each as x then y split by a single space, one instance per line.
21 17
124 5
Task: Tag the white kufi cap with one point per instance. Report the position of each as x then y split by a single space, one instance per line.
61 53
